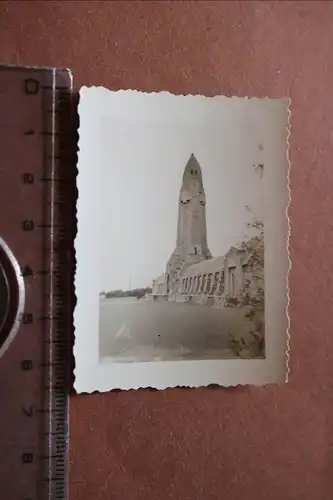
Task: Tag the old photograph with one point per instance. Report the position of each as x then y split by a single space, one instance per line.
187 233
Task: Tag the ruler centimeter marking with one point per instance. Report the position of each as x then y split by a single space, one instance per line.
56 133
49 232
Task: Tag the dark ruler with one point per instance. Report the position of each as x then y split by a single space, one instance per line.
36 236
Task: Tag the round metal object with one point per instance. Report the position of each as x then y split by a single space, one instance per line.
11 296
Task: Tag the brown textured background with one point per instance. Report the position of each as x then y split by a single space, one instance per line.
268 443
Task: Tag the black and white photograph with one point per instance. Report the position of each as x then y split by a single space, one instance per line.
186 231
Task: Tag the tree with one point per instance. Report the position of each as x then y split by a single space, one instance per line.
252 297
253 294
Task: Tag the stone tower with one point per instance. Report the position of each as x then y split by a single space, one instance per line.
191 244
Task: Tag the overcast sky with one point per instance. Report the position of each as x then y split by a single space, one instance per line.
146 140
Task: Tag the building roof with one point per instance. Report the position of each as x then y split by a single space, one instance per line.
192 167
205 267
217 264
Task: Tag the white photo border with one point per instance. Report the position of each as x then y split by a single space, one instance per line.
93 374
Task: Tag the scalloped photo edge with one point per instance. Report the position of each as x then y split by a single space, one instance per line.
182 246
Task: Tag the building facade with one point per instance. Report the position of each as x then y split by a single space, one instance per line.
191 272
